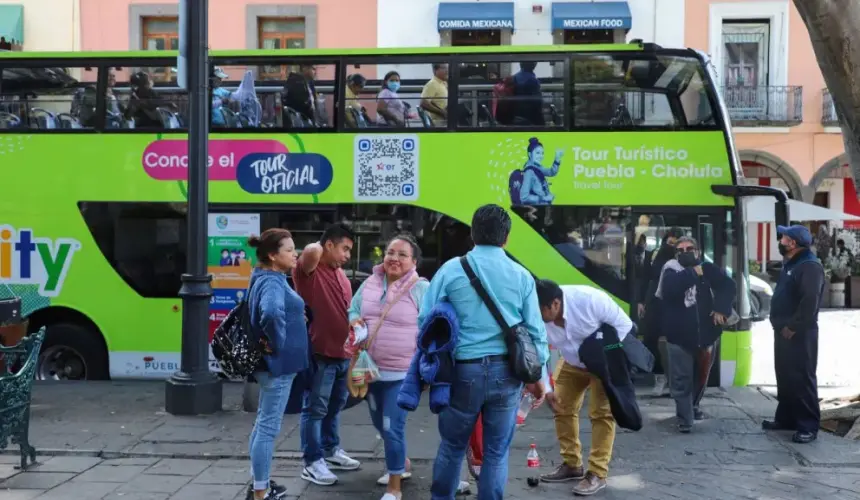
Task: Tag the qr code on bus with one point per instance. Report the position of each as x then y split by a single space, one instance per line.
386 167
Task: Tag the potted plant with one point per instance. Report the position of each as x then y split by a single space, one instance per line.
840 268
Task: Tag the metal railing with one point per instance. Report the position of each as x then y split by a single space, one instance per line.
828 110
762 106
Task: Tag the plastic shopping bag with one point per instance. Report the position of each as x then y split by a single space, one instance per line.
362 371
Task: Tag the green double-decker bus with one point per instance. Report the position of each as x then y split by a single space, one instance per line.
596 150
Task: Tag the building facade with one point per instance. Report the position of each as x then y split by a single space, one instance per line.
233 24
784 122
40 25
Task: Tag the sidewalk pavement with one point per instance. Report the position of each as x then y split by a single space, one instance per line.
113 440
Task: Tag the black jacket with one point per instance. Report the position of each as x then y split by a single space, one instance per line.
797 297
605 358
300 95
691 326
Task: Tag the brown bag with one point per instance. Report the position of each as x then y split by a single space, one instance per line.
358 385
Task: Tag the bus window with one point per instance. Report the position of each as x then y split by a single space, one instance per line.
142 98
47 98
390 96
638 91
592 239
521 94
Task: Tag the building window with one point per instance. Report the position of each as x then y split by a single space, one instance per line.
478 38
746 48
279 33
160 33
587 37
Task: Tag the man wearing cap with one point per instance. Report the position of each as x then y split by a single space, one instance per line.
794 316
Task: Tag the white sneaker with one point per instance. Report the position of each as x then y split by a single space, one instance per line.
464 488
341 461
318 473
383 481
659 385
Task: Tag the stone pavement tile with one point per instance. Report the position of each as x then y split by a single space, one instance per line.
36 480
217 448
150 483
286 468
122 495
224 475
826 450
179 467
208 492
79 491
10 459
111 473
67 464
7 471
19 494
147 461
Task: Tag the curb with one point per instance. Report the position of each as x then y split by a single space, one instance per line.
108 455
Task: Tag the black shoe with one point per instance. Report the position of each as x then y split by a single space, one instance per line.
276 491
698 414
804 437
685 428
773 425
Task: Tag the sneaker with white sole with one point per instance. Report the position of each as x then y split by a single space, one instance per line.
341 461
464 488
383 481
659 386
318 473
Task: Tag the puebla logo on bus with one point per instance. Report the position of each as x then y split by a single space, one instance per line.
28 260
284 173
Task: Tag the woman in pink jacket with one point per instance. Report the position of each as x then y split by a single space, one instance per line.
387 305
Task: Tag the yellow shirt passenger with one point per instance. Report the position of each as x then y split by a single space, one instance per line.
434 97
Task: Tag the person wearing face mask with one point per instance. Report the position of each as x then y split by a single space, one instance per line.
696 302
390 109
794 316
649 307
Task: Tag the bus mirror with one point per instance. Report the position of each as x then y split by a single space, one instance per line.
781 213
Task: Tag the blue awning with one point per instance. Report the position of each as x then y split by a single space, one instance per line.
591 16
476 16
12 23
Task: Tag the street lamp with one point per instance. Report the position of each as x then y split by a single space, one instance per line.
194 390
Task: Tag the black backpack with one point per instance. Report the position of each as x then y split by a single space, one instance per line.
234 345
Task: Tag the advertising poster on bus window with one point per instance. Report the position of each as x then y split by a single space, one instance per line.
230 261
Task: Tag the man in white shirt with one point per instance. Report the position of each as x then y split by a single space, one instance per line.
572 313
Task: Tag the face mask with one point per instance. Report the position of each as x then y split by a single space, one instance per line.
687 259
393 86
782 249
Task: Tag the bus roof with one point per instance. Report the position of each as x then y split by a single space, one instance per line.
383 51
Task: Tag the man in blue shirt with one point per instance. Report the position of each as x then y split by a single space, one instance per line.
484 383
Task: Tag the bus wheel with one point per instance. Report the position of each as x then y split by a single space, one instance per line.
72 352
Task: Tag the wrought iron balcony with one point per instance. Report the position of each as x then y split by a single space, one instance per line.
828 110
764 106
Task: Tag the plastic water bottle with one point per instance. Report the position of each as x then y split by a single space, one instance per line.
525 407
533 464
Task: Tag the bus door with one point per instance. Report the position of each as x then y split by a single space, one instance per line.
645 235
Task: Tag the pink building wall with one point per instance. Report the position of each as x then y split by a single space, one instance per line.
805 148
108 24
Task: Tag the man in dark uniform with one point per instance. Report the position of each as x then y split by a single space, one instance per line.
794 316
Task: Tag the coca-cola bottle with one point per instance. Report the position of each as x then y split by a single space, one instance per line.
533 464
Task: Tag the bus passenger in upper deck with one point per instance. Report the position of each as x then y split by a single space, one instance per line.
220 97
354 85
300 92
528 99
143 103
434 97
390 108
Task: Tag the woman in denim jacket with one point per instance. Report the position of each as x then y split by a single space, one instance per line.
278 320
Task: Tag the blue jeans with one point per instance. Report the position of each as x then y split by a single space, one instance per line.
491 389
390 421
321 410
274 392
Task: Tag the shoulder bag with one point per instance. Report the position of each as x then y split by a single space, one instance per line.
522 353
358 389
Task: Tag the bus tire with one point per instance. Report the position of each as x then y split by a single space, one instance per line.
72 352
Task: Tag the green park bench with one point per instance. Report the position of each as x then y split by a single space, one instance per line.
17 371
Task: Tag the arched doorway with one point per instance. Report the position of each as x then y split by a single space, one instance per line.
765 169
761 168
835 168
